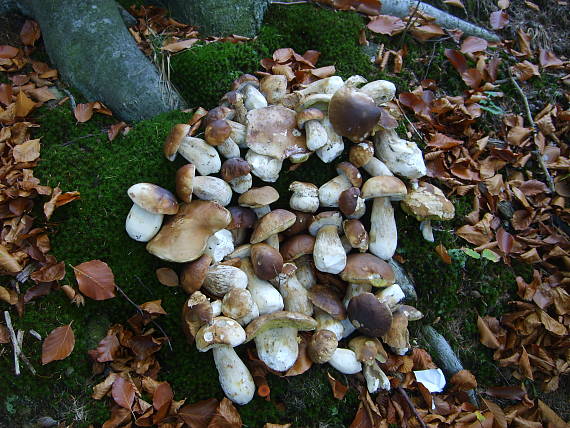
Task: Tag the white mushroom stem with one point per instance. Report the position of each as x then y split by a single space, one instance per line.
305 198
201 154
355 290
216 308
264 294
375 167
212 189
238 134
328 85
375 378
334 146
427 231
328 254
349 328
241 184
295 296
383 231
229 149
264 167
381 91
219 245
142 225
326 322
402 157
391 295
278 347
305 272
331 190
253 98
235 379
344 360
316 135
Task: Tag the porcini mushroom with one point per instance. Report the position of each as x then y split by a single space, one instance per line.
194 150
220 279
185 182
369 351
266 297
322 345
240 306
328 254
266 168
236 172
310 121
295 296
402 157
364 268
222 336
348 176
219 245
273 87
212 189
305 197
353 114
369 315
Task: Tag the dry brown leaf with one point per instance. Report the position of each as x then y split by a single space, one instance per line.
42 94
386 24
167 276
8 52
456 3
506 392
102 388
338 389
115 129
119 416
456 59
8 262
66 198
153 307
472 77
95 279
30 32
505 240
474 44
4 334
8 296
487 337
499 420
524 42
123 392
303 362
27 152
524 365
5 93
464 380
179 45
443 254
162 396
226 416
427 31
24 105
550 416
525 70
498 20
49 206
58 345
49 273
268 425
107 348
199 414
549 59
83 112
552 325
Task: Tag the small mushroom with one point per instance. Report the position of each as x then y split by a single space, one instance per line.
150 203
174 139
397 337
369 315
328 253
328 85
271 224
194 273
375 167
222 336
381 91
218 134
194 150
364 268
295 296
220 279
348 176
236 172
275 337
267 262
266 168
322 346
356 234
335 145
259 199
391 295
219 245
328 301
369 351
243 220
273 87
253 98
310 121
297 246
240 306
305 197
212 189
360 154
305 272
185 182
266 297
327 322
196 312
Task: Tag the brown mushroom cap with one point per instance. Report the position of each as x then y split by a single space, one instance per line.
266 261
217 132
271 131
234 168
297 246
428 202
185 182
272 223
193 273
309 114
353 114
348 200
174 139
279 319
243 80
360 154
367 269
153 198
368 315
258 197
368 349
237 303
397 336
301 224
242 218
325 218
351 173
220 112
222 331
196 312
326 299
356 234
384 186
322 345
184 237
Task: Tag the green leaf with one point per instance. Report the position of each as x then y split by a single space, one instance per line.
480 416
490 255
471 253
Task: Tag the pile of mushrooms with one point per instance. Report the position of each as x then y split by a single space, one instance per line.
259 274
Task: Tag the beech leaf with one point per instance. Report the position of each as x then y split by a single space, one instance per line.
58 345
498 19
107 348
226 416
386 24
473 44
95 280
464 380
505 240
339 390
123 393
83 112
163 395
30 32
199 414
487 337
167 276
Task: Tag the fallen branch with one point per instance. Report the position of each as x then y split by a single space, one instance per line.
411 406
17 345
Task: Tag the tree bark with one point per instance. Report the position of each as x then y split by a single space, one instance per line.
220 17
89 44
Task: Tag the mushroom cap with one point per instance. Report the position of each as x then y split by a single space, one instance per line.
307 189
243 80
242 218
384 186
397 336
366 268
237 303
184 237
217 132
322 345
360 154
174 139
297 246
353 114
185 182
356 234
266 261
272 223
278 319
369 315
258 197
351 173
196 312
428 202
324 219
309 114
273 87
271 131
348 200
368 349
301 224
153 198
234 168
220 112
327 300
194 273
222 331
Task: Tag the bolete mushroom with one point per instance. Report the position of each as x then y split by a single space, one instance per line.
212 189
322 346
266 297
369 315
236 172
239 305
305 197
310 121
194 150
328 254
402 157
348 176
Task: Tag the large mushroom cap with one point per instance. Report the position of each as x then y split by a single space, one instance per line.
153 198
428 202
353 114
184 237
258 197
267 262
369 315
384 186
297 246
278 319
271 131
217 132
223 331
367 269
327 300
272 223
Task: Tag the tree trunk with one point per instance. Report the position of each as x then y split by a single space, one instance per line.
220 17
89 44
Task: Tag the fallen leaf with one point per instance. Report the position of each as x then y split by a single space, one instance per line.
8 296
27 152
506 392
338 389
443 254
505 240
83 112
302 363
179 45
226 416
361 419
162 396
55 272
550 415
552 325
524 42
498 20
167 276
123 393
66 198
8 52
144 345
487 337
474 44
524 365
500 420
456 59
8 262
107 348
426 32
199 414
49 206
58 345
24 105
5 93
472 77
153 307
119 416
386 24
4 334
533 188
525 70
102 388
464 380
549 59
456 3
95 279
115 129
30 32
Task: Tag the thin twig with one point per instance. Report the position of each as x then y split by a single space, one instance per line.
536 153
142 313
14 341
429 63
412 125
411 406
411 21
71 98
290 2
